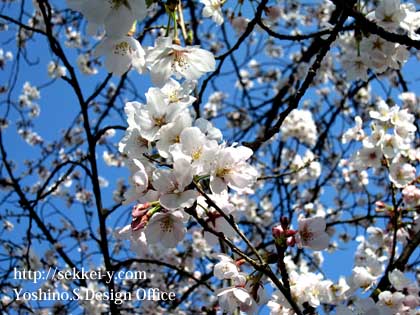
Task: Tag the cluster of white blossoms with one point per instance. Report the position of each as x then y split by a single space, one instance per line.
213 9
242 294
369 267
181 168
189 154
117 17
300 124
361 53
27 99
310 287
172 157
122 51
55 70
85 64
29 94
214 104
303 168
248 293
389 145
307 286
4 57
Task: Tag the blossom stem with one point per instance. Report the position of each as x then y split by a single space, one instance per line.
230 221
168 26
182 22
282 266
174 18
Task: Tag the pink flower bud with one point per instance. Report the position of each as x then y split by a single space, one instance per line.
140 214
278 231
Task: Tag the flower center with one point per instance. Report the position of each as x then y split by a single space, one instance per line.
166 225
373 156
173 97
221 172
388 18
216 5
116 4
377 44
359 64
141 141
197 154
179 57
306 234
159 121
123 48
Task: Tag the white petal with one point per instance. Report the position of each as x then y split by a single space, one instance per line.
178 201
217 185
118 22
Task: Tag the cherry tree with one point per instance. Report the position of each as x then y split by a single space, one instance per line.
210 157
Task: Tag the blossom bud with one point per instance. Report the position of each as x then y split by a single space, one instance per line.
277 231
284 222
283 237
140 215
380 206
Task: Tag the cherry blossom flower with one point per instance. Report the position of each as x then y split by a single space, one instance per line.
300 124
225 268
401 174
411 22
369 157
363 307
54 70
194 147
172 185
232 298
389 14
179 93
391 300
166 228
213 9
139 181
230 169
85 65
311 233
362 278
4 57
170 134
118 16
355 133
156 113
240 24
206 127
355 67
391 145
120 54
138 243
273 13
133 145
383 112
403 122
166 59
398 280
